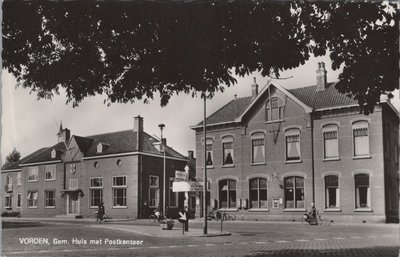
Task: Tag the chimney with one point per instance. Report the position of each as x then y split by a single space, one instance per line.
321 77
254 89
164 141
138 124
190 155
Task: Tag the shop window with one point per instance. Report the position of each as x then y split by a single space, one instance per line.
258 193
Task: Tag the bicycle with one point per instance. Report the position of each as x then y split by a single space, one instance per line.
228 216
156 217
312 219
214 214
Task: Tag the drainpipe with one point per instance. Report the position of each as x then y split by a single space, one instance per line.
312 156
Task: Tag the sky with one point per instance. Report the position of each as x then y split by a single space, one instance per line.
29 124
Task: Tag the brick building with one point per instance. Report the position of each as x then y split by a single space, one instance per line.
272 154
123 169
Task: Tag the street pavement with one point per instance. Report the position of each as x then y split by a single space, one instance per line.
141 238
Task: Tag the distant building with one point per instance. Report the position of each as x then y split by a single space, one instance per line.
123 169
272 154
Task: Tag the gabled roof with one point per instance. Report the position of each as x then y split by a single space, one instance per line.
83 142
124 142
45 154
16 165
327 98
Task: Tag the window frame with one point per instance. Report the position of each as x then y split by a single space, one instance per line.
34 169
171 192
210 142
292 132
358 125
258 194
329 128
93 189
19 200
31 202
357 194
19 178
156 189
8 200
254 137
337 192
228 140
72 182
119 188
269 110
52 168
294 187
228 193
48 199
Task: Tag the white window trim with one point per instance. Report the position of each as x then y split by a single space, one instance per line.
158 181
228 139
6 206
116 186
255 136
119 187
54 172
325 129
20 204
289 132
369 200
366 156
337 208
37 201
19 178
44 196
31 169
96 187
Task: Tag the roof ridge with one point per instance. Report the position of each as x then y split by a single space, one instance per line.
107 133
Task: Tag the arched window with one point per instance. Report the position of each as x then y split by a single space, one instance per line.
361 138
294 192
331 143
274 109
228 153
292 138
227 193
258 193
332 195
362 189
258 148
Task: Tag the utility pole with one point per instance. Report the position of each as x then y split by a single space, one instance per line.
163 146
205 170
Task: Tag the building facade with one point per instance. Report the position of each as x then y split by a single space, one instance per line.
123 169
274 153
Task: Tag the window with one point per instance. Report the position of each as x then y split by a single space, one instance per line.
119 191
50 199
173 196
258 193
73 183
361 138
362 191
209 149
33 173
50 172
258 148
19 176
332 195
294 192
9 185
331 143
154 191
19 200
8 202
227 146
96 191
292 144
227 193
119 162
274 109
32 199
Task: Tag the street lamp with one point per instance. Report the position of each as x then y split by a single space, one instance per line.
163 149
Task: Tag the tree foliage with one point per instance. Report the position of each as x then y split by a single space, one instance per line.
131 50
12 158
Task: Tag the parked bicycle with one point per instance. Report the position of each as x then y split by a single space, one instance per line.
228 216
157 216
313 218
216 215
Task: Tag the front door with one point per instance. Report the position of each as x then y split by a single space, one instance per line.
73 204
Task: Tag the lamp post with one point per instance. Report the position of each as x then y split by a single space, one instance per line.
205 170
163 149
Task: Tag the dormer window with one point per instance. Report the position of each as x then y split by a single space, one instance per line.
274 109
100 148
53 154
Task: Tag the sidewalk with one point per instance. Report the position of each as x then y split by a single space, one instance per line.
155 230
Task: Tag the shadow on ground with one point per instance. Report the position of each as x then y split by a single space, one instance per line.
389 251
11 224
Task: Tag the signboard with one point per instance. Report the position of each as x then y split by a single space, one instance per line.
181 175
187 186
